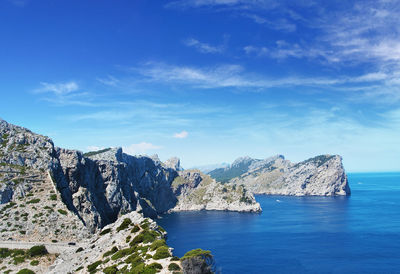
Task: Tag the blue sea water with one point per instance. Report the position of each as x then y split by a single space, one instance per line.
356 234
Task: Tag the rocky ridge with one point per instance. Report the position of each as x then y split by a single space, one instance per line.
98 187
322 175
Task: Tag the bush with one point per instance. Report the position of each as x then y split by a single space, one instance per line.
110 252
122 253
134 260
173 267
161 253
25 271
62 212
155 266
136 240
33 201
149 236
53 197
92 267
19 259
80 249
157 243
34 262
105 231
5 252
37 250
135 229
125 224
111 269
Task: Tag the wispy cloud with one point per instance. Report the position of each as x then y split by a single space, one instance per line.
281 24
181 135
202 47
140 148
109 81
64 93
58 88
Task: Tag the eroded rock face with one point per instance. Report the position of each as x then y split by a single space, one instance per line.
100 186
323 175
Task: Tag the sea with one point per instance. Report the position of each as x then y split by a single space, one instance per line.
355 234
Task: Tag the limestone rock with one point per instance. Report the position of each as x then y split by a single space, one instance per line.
323 175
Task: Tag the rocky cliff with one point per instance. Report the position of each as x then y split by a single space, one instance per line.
323 175
94 189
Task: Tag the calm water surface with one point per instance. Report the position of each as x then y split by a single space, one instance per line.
356 234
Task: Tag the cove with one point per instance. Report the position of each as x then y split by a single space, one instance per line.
355 234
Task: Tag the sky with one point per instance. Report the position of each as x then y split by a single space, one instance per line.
207 80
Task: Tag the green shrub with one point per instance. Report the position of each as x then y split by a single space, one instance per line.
62 212
122 253
157 243
135 229
110 252
92 267
105 231
149 236
33 201
53 197
127 240
19 259
37 250
79 268
161 253
134 260
136 240
174 258
80 249
125 224
5 252
34 262
25 271
173 267
17 252
155 266
111 269
197 252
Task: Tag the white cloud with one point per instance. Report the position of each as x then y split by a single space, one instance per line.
58 88
140 148
202 47
181 135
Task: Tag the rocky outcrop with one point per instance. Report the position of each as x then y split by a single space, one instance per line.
323 175
98 187
198 191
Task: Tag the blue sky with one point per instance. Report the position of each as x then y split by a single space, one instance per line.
207 80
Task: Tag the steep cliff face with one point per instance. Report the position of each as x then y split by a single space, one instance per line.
323 175
98 187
